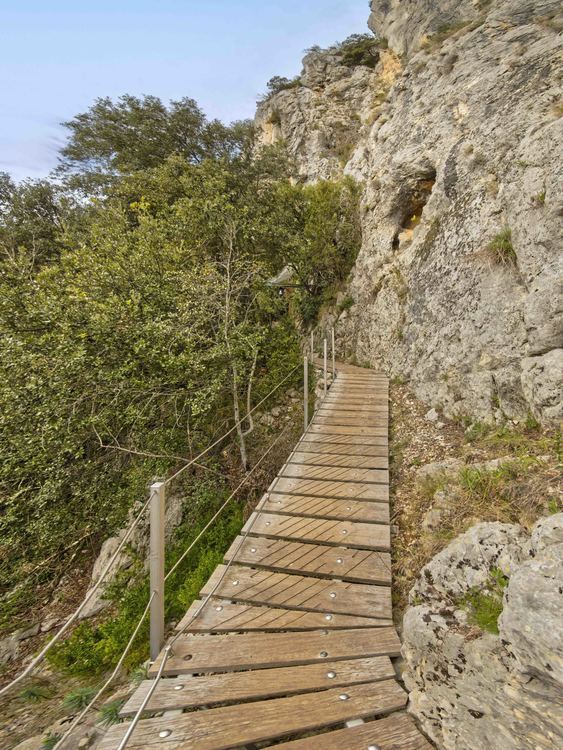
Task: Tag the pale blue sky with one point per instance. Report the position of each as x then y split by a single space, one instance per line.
57 56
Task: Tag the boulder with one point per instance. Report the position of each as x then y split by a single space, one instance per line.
475 690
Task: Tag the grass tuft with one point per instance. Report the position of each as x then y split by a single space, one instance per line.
501 249
485 606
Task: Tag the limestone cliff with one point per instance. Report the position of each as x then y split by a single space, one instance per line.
455 134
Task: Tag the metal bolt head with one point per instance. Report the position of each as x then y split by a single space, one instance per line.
331 675
343 696
219 608
328 617
253 549
339 560
165 733
235 582
344 531
332 595
373 747
323 654
178 687
268 523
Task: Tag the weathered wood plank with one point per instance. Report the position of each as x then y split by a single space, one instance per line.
340 533
179 692
346 430
395 732
339 459
319 488
312 444
330 406
231 726
230 653
334 472
358 565
325 507
367 441
355 421
291 591
222 616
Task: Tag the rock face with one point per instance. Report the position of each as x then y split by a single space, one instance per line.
472 690
455 136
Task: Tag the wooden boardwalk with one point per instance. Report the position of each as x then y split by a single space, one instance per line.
296 639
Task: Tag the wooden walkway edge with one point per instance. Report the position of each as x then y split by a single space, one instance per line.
294 647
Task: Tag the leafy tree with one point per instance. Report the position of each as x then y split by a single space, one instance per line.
132 133
33 216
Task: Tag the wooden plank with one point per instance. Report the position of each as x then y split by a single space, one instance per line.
347 430
395 732
289 591
321 488
332 438
231 653
325 507
337 473
339 459
342 410
375 418
341 447
361 566
231 726
222 616
354 421
340 533
178 692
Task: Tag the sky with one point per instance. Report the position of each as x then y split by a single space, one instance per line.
57 56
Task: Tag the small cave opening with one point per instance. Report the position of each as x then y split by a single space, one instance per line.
412 202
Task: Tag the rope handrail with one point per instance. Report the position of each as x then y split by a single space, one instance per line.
62 630
76 721
168 648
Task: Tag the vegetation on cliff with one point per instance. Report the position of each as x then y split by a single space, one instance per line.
136 321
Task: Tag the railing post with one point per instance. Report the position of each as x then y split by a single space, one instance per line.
305 393
325 365
156 564
312 344
333 357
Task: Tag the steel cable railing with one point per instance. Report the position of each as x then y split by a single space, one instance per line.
167 651
76 721
58 635
155 592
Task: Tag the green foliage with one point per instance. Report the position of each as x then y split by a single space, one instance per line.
321 237
485 606
50 741
360 49
108 715
280 83
501 249
35 693
79 698
346 303
93 649
132 134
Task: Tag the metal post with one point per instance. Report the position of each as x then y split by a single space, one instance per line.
333 357
325 365
156 563
312 345
305 393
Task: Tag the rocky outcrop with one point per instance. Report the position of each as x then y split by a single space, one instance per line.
472 689
455 136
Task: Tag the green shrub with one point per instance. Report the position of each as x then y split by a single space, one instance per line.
108 715
93 649
501 250
79 698
35 693
360 49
